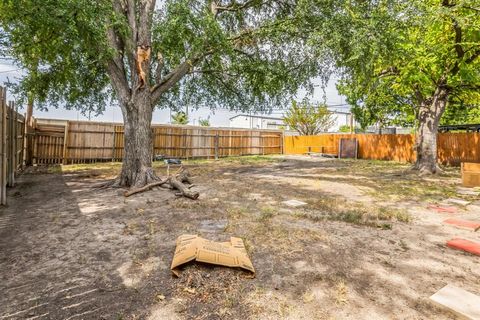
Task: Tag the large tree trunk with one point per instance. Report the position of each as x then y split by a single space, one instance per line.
137 168
430 112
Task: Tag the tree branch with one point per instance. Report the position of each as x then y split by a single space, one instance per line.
171 79
233 6
458 39
474 56
115 66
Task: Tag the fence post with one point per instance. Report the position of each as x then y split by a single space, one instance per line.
15 140
24 141
262 141
34 143
11 147
216 146
282 138
3 135
114 141
65 143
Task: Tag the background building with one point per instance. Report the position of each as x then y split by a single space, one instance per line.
252 121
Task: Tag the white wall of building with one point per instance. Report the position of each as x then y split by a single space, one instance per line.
255 122
341 119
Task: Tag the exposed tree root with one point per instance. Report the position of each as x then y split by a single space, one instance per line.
145 188
425 170
114 183
175 181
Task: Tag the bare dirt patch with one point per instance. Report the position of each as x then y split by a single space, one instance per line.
364 247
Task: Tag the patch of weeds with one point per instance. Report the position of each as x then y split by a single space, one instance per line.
385 226
99 168
252 159
266 213
281 238
151 227
249 247
385 213
233 216
129 228
308 296
184 203
341 292
356 213
54 169
236 213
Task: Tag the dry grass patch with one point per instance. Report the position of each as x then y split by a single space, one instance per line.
339 209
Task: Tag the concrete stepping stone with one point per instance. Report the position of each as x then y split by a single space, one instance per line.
464 245
458 201
294 203
463 224
442 208
459 301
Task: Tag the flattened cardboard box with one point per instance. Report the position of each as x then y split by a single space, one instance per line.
193 247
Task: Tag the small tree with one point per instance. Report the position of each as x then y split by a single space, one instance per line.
344 128
308 119
180 118
204 122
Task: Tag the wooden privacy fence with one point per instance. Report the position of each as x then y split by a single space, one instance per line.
453 148
85 141
12 134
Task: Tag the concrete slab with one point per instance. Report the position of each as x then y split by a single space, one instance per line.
468 191
458 201
463 224
464 245
294 203
459 301
439 208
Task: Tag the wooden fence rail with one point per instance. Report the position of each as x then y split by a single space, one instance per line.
12 139
85 141
453 148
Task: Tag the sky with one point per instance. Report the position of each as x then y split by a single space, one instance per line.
218 117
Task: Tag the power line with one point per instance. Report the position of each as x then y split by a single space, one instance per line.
8 71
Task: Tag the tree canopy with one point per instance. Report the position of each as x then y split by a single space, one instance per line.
409 49
236 54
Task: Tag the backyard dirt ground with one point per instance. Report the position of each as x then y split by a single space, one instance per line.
365 246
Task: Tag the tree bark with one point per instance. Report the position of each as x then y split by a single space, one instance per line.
137 168
430 112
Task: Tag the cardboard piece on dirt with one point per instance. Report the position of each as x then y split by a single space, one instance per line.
229 254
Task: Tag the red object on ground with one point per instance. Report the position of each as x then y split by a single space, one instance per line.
443 209
464 245
465 224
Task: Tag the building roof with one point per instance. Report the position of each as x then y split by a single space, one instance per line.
255 116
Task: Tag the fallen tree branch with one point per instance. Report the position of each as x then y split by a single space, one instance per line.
186 192
145 188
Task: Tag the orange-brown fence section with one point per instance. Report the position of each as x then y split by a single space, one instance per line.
85 141
453 148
